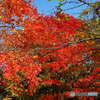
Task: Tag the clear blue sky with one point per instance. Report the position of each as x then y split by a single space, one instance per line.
48 7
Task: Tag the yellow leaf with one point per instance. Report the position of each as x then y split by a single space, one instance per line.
35 56
6 98
14 94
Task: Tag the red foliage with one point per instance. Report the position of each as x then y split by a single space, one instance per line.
42 45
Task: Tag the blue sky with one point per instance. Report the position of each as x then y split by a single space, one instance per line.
48 7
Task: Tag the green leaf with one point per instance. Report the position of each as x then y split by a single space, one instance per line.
67 17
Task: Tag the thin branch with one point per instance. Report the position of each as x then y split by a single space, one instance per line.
86 58
64 4
65 45
9 26
2 26
89 4
73 7
73 43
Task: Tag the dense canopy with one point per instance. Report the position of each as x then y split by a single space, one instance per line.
43 55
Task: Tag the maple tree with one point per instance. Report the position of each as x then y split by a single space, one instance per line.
43 55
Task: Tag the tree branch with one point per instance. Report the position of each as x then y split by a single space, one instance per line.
73 7
89 4
73 43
